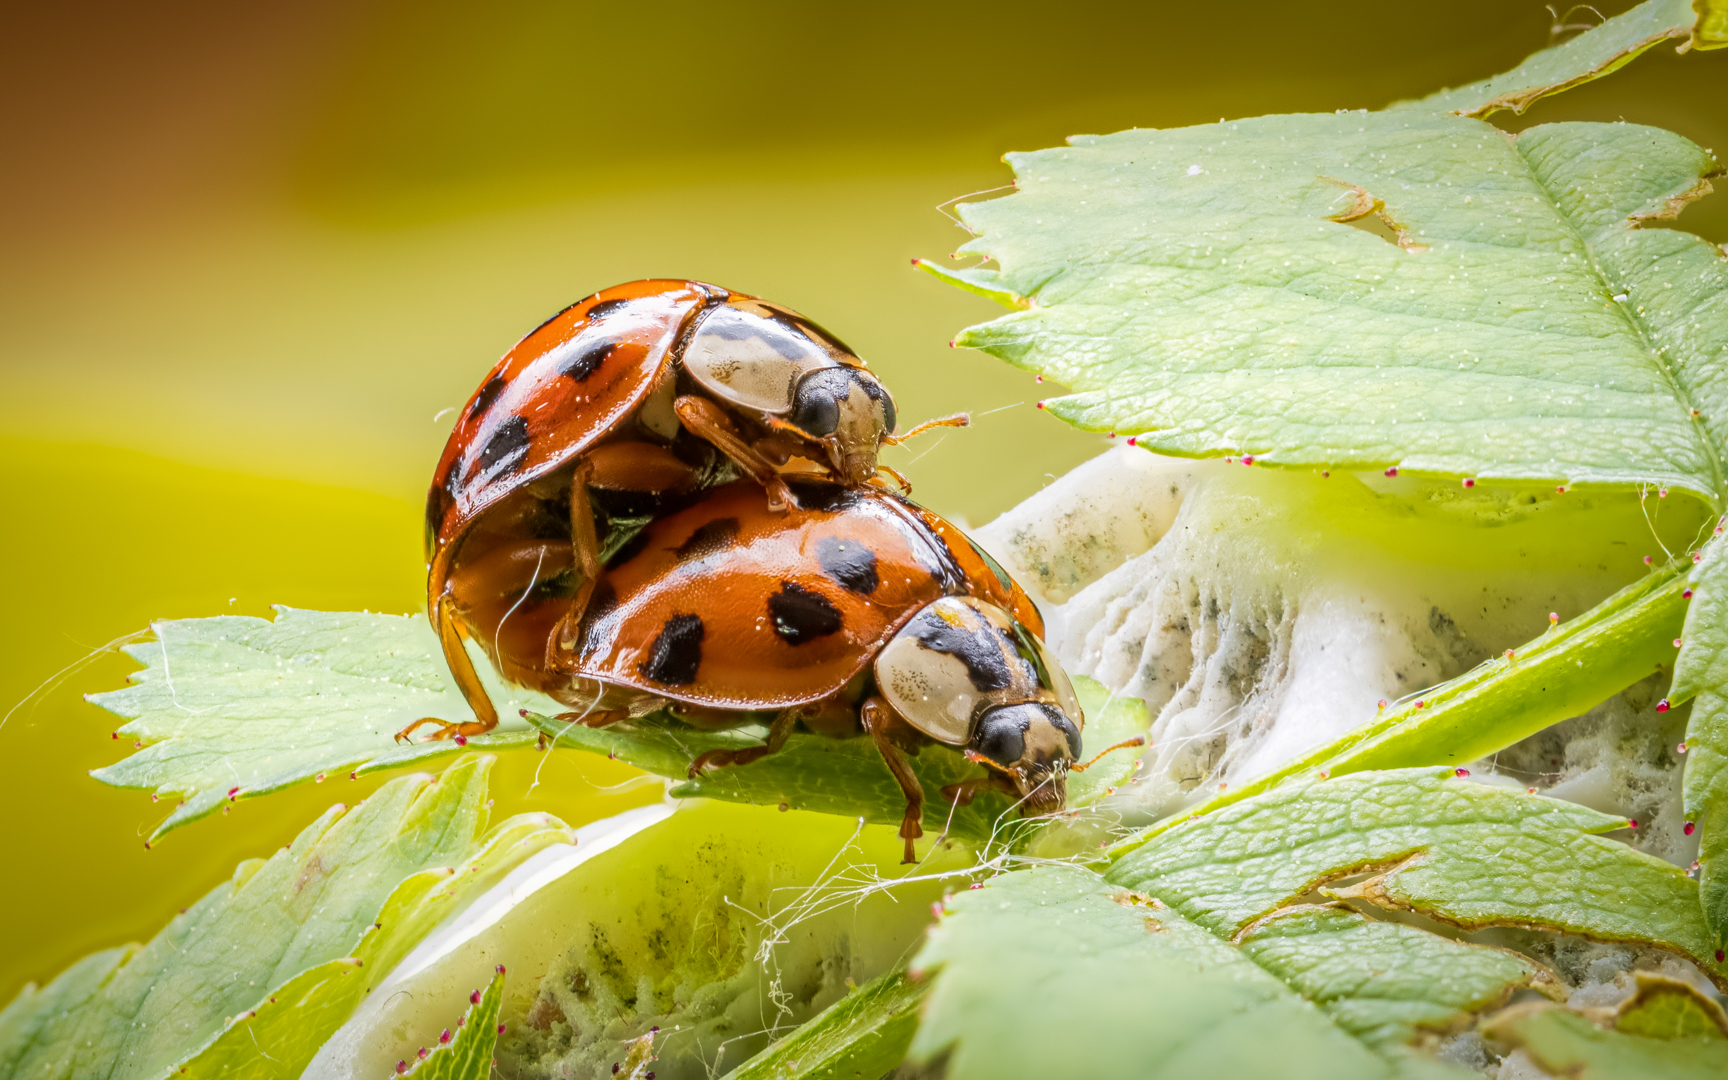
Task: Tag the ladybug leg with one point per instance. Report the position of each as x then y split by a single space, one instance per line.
705 419
877 717
777 735
467 680
593 719
905 484
586 547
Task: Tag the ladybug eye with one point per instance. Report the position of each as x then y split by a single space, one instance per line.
889 420
816 401
1001 735
1029 735
819 397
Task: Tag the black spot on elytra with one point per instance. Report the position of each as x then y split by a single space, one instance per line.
605 308
978 649
947 570
822 496
801 615
711 538
579 357
676 652
489 392
506 448
849 562
550 321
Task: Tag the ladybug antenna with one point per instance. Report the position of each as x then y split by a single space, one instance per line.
979 759
788 426
1138 740
959 419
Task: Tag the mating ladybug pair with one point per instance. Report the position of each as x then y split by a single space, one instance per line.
666 496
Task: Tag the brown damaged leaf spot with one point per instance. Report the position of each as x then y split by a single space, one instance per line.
1671 209
1369 215
313 870
1519 100
1541 979
1130 898
1378 867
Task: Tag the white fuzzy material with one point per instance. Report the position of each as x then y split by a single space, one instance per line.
1260 613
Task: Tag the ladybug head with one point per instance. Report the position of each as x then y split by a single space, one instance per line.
850 412
1032 744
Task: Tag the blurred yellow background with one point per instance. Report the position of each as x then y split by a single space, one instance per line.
253 251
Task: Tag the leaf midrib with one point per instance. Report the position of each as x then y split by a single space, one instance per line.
1633 321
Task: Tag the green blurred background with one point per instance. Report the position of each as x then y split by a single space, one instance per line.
252 252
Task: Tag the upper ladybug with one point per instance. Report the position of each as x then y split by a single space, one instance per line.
624 405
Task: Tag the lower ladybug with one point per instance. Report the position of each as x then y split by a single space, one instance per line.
620 407
853 612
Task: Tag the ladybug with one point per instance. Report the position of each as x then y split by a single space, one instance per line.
854 612
619 408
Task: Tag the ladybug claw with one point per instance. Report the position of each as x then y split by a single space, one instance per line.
406 734
446 730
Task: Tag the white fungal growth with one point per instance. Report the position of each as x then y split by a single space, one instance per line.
723 925
1262 612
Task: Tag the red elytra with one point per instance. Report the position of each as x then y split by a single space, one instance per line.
793 604
735 566
614 410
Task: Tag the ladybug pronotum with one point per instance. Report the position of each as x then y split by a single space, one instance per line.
618 409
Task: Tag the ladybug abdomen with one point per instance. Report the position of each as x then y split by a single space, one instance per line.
730 606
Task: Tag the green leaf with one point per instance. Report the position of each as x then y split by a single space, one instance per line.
1415 980
299 1017
38 1028
1567 1044
1712 29
1588 56
468 1054
232 708
1411 290
1665 1008
848 776
811 772
1701 677
297 935
1467 854
1194 288
235 707
1213 922
865 1033
1558 675
1054 972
